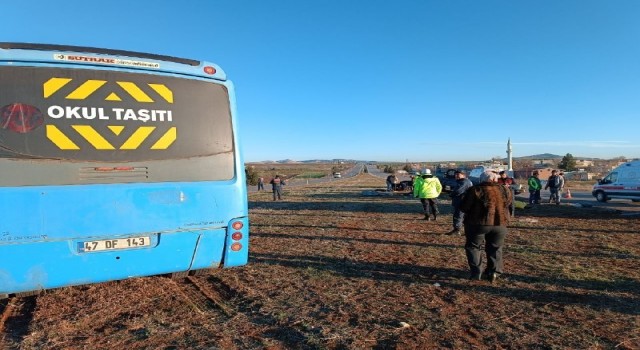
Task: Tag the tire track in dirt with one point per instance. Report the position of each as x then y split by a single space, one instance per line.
16 315
211 297
207 301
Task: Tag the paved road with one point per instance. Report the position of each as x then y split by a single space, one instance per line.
355 170
584 197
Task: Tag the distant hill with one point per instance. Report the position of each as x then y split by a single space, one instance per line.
540 156
319 161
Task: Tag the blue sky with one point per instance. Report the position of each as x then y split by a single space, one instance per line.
415 80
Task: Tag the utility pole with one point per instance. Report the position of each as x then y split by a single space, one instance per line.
509 155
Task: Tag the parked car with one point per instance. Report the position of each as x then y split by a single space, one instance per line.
474 174
337 175
447 179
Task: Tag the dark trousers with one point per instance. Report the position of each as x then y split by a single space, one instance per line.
429 205
534 196
260 186
493 239
277 191
458 217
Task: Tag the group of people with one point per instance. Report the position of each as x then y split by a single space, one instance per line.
555 185
276 186
484 210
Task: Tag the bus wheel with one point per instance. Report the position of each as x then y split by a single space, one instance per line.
601 197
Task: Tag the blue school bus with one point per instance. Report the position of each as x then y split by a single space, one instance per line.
115 164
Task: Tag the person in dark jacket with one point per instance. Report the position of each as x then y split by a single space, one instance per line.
555 183
462 185
508 181
276 186
486 215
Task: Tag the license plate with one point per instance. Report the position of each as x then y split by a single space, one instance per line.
115 244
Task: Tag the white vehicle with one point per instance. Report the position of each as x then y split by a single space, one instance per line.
622 182
474 174
337 175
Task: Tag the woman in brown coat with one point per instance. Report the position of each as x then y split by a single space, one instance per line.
486 215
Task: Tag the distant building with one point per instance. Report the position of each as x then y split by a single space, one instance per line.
583 163
579 176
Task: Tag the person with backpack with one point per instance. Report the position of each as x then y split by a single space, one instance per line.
555 183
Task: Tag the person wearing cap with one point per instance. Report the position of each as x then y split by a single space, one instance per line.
486 215
428 188
462 185
535 185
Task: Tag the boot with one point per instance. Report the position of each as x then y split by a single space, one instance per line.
454 232
427 217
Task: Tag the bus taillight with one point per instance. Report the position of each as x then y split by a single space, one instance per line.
237 225
236 236
236 247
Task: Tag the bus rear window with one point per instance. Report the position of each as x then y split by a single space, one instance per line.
110 116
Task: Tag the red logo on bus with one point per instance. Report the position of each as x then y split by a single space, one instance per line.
20 117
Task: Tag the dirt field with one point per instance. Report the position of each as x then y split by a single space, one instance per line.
333 266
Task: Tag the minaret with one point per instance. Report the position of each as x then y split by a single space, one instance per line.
510 159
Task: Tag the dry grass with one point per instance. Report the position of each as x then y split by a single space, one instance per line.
331 268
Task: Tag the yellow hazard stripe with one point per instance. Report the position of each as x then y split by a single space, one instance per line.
134 141
92 136
52 85
116 129
166 140
163 91
86 89
134 91
59 139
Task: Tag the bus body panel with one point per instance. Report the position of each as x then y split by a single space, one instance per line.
53 264
95 211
